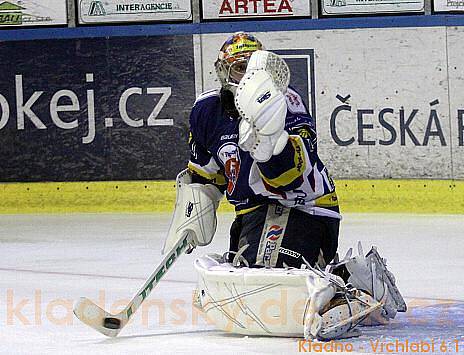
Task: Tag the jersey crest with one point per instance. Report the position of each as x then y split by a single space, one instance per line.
230 157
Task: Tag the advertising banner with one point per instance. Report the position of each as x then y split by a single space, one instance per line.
354 7
448 5
33 13
95 109
226 9
388 103
455 51
108 11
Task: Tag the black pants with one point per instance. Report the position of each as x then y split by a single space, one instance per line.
304 235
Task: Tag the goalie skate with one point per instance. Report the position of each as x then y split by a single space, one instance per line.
342 314
375 258
370 274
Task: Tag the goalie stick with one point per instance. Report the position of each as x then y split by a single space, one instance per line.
111 324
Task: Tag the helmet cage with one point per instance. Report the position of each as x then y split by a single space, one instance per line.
230 71
233 58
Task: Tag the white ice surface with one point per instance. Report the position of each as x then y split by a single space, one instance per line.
49 261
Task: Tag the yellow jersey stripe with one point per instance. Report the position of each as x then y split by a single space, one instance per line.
247 210
215 178
299 165
328 200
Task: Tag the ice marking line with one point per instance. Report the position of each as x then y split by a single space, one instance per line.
89 275
412 298
120 338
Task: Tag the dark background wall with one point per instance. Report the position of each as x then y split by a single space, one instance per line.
39 150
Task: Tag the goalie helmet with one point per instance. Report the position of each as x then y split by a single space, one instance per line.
233 58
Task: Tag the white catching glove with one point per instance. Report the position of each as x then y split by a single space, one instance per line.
261 103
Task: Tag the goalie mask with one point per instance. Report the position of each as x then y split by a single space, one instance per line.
233 58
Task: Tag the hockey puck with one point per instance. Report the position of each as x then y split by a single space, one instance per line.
112 323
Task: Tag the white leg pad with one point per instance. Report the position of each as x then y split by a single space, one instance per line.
195 212
276 302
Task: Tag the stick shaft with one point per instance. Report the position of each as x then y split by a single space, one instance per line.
156 276
97 318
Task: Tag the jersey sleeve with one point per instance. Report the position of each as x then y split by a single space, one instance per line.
203 166
285 170
201 163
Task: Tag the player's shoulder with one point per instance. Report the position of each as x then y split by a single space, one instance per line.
207 98
206 104
295 103
204 111
298 116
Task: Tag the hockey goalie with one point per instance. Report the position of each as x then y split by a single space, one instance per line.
255 141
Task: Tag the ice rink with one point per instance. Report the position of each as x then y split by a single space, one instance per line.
48 261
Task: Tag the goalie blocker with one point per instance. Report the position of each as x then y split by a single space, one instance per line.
293 302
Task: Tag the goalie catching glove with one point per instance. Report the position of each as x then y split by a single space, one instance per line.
194 213
261 103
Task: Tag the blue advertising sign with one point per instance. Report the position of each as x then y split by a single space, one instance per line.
95 109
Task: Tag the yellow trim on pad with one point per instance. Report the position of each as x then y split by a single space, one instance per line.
402 196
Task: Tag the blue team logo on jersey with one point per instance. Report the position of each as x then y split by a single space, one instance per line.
230 157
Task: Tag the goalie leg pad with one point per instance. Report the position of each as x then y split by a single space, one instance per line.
195 212
344 314
264 301
335 315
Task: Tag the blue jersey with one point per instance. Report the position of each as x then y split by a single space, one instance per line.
295 178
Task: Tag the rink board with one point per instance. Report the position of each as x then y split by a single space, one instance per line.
405 196
387 99
119 114
388 102
386 95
